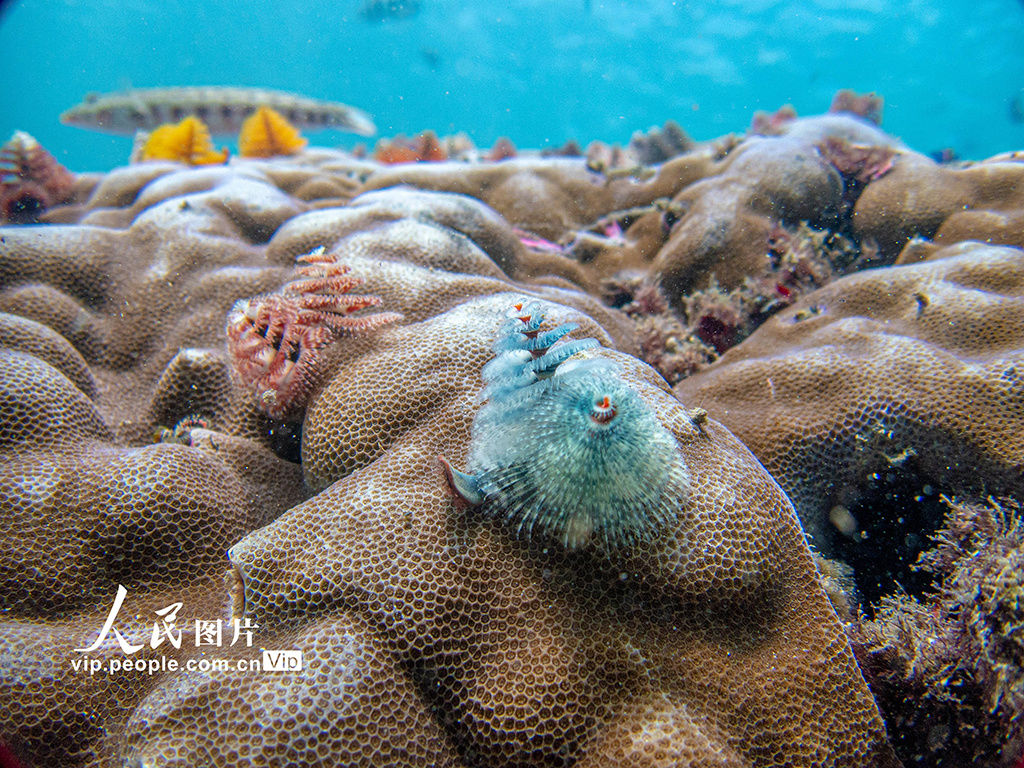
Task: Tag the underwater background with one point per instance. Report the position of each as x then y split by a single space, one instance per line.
540 73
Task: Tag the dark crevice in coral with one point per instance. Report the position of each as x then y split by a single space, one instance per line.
945 669
884 530
25 209
286 440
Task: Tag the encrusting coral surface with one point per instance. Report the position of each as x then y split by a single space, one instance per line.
431 633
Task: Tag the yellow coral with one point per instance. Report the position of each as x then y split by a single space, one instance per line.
266 134
187 142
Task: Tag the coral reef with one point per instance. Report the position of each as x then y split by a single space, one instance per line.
711 211
708 212
185 142
515 684
31 180
714 319
977 201
265 133
100 350
947 669
665 342
765 182
557 198
430 634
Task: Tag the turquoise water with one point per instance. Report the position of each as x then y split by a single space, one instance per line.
539 72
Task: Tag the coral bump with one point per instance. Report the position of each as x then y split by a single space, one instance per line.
275 339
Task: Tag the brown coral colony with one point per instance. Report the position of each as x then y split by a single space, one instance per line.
826 324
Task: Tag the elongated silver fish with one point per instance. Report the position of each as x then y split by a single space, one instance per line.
222 108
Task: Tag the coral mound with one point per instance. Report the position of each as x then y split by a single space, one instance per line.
431 635
533 655
847 307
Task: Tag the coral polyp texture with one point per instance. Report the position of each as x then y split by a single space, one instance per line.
665 608
563 448
275 340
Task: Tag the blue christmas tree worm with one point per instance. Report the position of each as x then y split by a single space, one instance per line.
563 447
